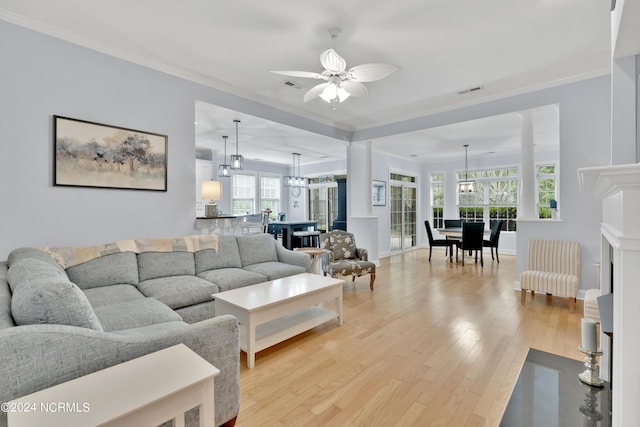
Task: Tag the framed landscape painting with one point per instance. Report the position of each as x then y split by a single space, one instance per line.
91 154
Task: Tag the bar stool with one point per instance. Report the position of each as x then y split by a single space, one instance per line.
307 238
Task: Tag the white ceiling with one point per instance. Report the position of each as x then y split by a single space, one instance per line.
442 48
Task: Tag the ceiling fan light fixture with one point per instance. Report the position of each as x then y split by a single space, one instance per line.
340 82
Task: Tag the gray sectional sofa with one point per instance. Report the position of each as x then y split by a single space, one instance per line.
59 323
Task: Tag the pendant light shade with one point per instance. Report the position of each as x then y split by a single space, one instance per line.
224 170
237 161
466 186
295 180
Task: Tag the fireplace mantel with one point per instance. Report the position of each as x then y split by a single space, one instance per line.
619 188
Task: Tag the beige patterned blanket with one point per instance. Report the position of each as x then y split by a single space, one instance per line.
68 257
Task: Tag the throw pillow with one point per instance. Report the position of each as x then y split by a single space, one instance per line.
52 299
343 246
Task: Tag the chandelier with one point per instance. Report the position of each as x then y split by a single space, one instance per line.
297 180
466 185
237 161
224 170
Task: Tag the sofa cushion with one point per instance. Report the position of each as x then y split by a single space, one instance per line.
52 300
257 248
29 269
227 256
32 253
232 278
6 321
135 314
198 312
113 269
275 270
107 295
152 265
178 291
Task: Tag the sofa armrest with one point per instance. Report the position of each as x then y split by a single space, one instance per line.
292 257
36 357
362 254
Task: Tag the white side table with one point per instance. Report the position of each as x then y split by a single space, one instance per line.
149 390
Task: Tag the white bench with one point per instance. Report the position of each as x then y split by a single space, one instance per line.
553 268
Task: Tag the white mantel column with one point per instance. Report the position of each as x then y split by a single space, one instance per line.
360 219
619 188
527 205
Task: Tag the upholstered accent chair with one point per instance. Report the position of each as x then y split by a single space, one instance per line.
553 268
343 258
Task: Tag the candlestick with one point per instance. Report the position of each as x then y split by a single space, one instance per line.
591 373
589 335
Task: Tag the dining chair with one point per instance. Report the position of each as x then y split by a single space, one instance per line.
496 227
452 223
439 242
472 237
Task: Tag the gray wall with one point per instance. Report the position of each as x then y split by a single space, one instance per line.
42 76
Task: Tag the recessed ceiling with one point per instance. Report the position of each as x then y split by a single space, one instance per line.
443 49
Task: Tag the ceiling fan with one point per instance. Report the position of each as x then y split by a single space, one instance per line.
340 83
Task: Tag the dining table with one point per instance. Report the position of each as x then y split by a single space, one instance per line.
286 228
456 232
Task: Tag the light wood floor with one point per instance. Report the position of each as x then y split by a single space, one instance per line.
436 344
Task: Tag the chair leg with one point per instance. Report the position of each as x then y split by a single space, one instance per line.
497 257
430 250
492 253
481 259
463 257
371 280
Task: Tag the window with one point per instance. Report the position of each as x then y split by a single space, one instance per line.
323 202
496 197
547 184
243 187
437 200
252 194
270 194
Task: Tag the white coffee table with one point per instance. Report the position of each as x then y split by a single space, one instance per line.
274 311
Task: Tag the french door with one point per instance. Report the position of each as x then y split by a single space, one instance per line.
403 213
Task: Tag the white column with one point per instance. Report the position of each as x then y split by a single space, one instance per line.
360 219
527 205
359 179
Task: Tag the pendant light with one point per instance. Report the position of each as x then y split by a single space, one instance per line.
237 161
466 186
295 180
224 170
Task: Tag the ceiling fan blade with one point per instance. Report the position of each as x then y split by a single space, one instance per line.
332 62
355 88
370 72
303 74
315 91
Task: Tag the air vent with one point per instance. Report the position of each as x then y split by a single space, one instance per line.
473 89
292 84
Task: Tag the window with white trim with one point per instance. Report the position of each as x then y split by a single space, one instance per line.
496 197
253 193
547 188
437 200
